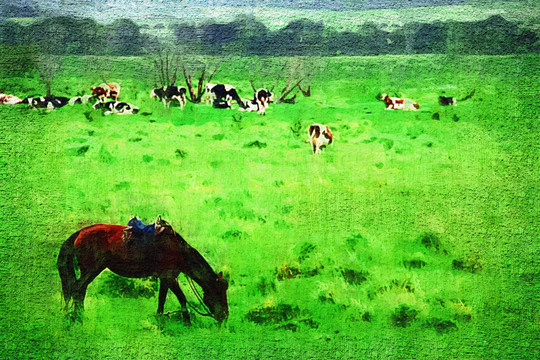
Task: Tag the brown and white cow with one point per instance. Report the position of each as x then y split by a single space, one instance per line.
107 90
395 103
6 99
319 136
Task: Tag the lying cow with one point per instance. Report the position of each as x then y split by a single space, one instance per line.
46 102
169 93
395 103
106 90
221 92
81 99
264 97
116 107
319 136
447 101
252 105
6 99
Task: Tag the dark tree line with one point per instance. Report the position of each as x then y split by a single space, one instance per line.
78 36
245 36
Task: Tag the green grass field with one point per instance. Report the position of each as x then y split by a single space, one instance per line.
409 237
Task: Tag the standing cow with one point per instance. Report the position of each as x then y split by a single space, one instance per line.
395 103
447 101
221 92
106 90
170 93
319 136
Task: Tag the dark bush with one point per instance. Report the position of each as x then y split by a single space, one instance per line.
354 277
403 316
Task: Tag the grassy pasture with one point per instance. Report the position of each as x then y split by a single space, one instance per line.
409 236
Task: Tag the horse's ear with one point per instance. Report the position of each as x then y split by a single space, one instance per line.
220 275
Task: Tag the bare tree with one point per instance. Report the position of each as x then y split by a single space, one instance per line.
196 74
293 77
166 66
47 67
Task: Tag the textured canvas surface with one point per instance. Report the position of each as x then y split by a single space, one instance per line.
413 234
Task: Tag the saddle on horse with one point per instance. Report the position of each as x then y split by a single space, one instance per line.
138 232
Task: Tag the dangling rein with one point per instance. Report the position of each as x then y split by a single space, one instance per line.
198 295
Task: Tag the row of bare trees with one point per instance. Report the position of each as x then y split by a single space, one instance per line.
292 78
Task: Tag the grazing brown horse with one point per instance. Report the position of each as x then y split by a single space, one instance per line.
166 255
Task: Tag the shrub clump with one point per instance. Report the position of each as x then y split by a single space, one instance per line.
403 316
354 277
441 326
470 265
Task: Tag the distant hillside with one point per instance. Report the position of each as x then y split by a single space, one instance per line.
278 13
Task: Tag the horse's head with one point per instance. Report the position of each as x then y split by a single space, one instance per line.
215 298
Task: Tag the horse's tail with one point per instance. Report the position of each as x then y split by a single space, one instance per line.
66 267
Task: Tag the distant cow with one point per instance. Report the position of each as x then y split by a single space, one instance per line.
169 93
81 99
221 92
319 136
46 102
107 90
6 99
116 107
395 103
447 100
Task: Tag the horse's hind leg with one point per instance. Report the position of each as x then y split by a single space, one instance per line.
79 291
175 288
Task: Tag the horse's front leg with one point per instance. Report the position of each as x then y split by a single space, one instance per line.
175 288
164 285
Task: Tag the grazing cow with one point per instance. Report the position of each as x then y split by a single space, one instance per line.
221 92
6 99
319 136
81 99
395 103
46 102
447 100
168 93
107 90
116 107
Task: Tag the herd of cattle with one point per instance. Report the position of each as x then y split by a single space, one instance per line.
221 96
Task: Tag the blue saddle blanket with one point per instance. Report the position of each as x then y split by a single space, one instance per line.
141 227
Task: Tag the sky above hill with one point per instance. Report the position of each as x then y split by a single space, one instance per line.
69 6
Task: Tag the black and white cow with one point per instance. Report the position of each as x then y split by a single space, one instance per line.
250 105
170 93
46 102
221 92
264 97
81 99
116 107
221 103
447 100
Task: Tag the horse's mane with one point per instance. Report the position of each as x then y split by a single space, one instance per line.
196 266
